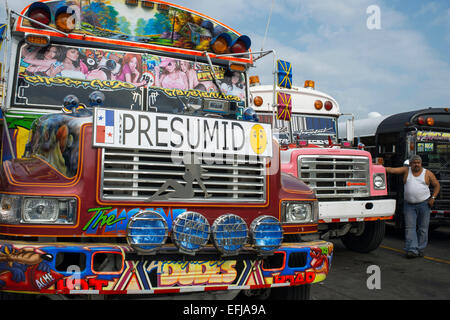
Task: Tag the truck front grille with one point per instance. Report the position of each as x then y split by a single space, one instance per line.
136 175
332 176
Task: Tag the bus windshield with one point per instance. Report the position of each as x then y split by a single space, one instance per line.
314 129
436 157
131 80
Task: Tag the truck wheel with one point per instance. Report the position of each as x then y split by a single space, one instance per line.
302 292
369 240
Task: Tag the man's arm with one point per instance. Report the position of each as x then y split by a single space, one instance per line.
399 170
436 187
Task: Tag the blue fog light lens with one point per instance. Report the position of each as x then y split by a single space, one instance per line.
190 232
147 231
267 234
229 233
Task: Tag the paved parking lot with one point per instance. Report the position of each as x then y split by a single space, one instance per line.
399 278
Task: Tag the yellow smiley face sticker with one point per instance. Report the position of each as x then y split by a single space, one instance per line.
258 139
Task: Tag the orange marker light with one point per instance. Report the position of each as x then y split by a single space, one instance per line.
258 101
40 41
318 104
430 121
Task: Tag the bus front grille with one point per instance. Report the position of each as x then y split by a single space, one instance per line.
136 175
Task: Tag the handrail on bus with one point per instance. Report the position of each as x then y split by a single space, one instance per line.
40 23
4 79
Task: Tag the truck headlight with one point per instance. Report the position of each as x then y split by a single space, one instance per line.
299 212
39 210
379 181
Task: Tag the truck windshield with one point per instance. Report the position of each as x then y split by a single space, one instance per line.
130 80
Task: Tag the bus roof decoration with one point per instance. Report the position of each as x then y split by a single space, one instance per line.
40 12
241 44
221 43
65 19
159 26
284 74
284 106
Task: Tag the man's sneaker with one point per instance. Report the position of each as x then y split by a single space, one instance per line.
411 255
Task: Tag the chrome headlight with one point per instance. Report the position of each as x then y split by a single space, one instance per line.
379 181
39 210
299 212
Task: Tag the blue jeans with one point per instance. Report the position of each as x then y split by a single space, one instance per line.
417 219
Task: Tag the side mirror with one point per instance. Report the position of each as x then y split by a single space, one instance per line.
350 129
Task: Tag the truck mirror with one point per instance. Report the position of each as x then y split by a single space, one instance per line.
350 129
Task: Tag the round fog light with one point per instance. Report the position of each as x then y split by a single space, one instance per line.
229 233
147 231
267 234
190 232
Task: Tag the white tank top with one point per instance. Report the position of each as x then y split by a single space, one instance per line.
416 190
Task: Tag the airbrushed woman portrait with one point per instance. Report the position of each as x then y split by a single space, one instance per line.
169 75
72 65
40 60
131 70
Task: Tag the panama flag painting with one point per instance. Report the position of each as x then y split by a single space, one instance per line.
105 126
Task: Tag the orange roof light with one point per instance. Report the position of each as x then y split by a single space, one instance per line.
65 19
309 84
221 43
318 104
254 80
430 121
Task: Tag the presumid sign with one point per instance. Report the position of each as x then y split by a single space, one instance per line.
171 132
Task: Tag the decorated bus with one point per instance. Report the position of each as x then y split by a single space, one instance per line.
132 162
393 139
351 189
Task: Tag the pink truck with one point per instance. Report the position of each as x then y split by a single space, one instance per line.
351 189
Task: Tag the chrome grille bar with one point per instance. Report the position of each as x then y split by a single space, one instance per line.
335 176
136 175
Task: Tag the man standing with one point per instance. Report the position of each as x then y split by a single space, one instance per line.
417 204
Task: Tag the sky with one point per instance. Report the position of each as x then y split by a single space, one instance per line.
370 55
